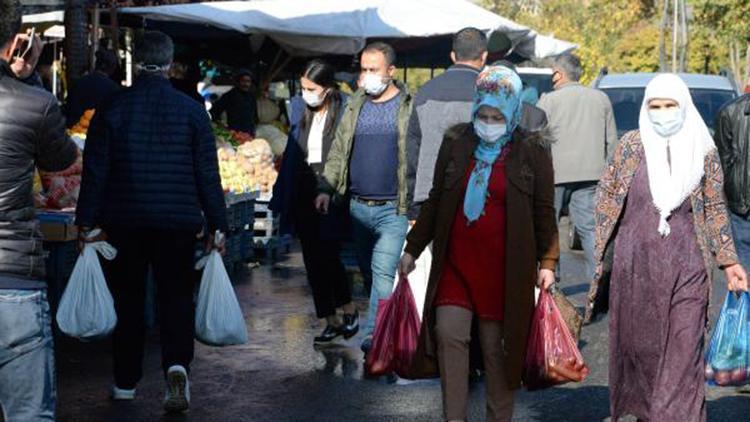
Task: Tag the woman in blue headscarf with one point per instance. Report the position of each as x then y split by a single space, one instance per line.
490 216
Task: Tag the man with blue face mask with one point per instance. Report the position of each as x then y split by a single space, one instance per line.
367 163
583 125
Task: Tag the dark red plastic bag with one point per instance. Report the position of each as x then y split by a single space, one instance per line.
397 326
552 355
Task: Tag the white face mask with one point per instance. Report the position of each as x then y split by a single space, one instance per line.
374 84
312 99
490 132
666 122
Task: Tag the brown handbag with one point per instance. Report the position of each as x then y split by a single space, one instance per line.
573 319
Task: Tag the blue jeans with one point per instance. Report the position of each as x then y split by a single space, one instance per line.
741 234
27 363
379 234
579 197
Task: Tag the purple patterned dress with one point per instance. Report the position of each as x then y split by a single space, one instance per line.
658 302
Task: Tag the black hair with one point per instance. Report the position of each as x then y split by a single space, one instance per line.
386 49
323 74
469 44
106 61
10 20
243 72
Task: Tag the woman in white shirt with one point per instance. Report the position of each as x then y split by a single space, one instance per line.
314 119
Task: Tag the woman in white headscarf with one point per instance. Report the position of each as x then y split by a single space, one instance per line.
660 209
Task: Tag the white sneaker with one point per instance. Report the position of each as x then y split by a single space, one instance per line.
121 394
178 390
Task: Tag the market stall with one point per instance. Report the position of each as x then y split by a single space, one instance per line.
343 27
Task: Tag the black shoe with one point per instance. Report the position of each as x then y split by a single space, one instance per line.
351 325
366 346
328 335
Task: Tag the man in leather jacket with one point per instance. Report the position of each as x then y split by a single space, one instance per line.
732 139
32 134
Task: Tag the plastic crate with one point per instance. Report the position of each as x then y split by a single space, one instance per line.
60 259
266 223
246 245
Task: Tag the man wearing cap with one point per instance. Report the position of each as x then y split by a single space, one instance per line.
239 104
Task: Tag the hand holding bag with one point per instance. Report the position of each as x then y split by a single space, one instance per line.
87 310
218 316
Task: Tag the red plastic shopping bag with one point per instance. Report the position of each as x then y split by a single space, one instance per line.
552 356
394 341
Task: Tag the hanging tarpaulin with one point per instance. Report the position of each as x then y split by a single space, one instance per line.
318 27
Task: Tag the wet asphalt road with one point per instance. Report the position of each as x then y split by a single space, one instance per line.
279 376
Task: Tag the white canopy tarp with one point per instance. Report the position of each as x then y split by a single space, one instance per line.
305 27
48 24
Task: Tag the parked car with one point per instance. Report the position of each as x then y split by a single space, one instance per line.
626 90
537 77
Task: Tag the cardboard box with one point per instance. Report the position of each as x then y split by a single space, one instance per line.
58 231
57 226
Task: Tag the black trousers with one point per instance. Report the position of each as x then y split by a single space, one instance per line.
170 255
322 256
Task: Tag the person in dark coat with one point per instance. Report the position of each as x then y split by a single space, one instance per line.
491 218
239 104
90 90
185 77
151 182
313 129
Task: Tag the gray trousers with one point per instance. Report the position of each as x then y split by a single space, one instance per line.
579 198
27 365
453 329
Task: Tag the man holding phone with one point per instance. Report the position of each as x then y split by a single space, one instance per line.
32 134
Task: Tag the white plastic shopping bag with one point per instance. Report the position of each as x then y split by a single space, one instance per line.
419 278
218 317
87 310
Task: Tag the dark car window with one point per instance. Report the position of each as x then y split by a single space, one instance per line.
626 104
542 82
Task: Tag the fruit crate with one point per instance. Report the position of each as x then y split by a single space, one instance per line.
266 223
266 234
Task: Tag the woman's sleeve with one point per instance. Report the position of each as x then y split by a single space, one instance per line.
718 225
545 223
423 231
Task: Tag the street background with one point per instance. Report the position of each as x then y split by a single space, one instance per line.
279 376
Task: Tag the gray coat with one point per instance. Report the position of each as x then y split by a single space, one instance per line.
32 134
583 125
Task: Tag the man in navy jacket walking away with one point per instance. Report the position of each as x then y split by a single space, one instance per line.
151 182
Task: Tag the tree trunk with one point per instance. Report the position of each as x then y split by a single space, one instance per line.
662 38
76 40
746 81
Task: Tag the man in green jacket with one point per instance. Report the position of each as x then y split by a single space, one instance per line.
367 163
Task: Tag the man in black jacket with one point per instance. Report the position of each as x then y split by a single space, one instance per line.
150 176
239 104
32 133
732 139
91 90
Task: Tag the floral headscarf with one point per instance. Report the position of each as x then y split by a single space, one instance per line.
500 88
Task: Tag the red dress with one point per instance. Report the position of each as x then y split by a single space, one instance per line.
474 270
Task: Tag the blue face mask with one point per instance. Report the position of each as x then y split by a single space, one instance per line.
666 122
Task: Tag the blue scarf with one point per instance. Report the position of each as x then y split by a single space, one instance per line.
500 88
